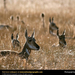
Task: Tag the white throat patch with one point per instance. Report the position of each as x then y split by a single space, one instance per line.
32 46
27 52
61 42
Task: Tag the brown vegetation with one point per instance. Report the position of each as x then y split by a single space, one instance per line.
49 56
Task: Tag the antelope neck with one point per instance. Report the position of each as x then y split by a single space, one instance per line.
25 52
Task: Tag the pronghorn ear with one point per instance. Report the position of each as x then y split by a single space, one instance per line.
64 32
26 33
52 19
49 19
17 36
33 34
12 36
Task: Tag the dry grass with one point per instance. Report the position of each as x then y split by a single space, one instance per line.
48 57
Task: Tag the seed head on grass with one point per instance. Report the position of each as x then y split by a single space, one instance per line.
43 18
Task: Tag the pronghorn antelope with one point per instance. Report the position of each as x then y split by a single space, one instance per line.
4 26
15 42
12 18
52 26
18 20
29 45
62 41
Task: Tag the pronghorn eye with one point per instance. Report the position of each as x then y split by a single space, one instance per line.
30 40
61 38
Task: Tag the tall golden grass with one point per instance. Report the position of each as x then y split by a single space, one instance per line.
49 56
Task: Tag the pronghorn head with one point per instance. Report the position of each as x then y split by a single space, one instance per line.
52 24
31 42
15 42
7 26
62 41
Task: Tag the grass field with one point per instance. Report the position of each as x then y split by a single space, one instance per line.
49 56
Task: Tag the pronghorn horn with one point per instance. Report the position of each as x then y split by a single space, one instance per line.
26 33
64 32
33 34
17 36
12 36
52 19
49 19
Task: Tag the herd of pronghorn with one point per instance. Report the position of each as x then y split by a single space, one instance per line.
30 43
